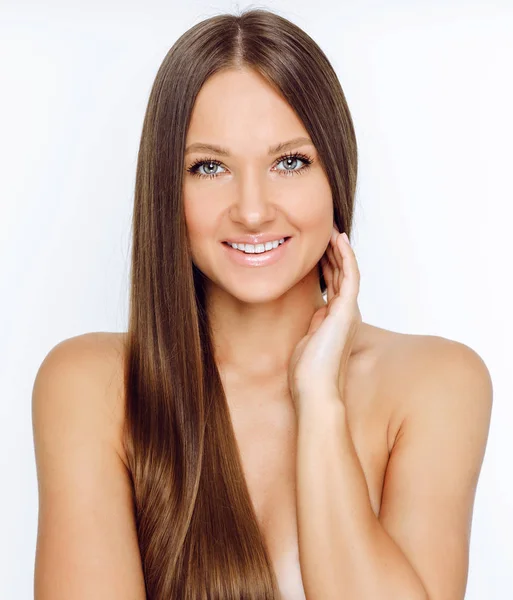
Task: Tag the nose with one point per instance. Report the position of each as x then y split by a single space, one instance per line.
253 206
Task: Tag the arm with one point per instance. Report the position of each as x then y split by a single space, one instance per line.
418 547
86 543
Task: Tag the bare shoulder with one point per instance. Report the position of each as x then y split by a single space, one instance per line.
440 393
94 361
420 372
87 540
99 354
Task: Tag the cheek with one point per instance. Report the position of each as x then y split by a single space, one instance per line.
314 206
199 216
201 220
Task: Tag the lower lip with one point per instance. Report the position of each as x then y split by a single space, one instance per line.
261 259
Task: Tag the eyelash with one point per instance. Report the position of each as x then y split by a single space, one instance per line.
193 169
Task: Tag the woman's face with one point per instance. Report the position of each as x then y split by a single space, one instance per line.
251 191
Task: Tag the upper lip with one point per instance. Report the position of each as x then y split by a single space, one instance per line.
261 238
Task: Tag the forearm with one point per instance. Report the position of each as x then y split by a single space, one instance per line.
344 551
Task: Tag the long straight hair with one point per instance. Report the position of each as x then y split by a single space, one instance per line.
197 529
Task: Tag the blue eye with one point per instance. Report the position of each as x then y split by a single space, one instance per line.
294 158
212 162
193 169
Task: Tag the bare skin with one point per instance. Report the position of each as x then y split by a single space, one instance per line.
402 392
265 427
260 314
266 430
87 543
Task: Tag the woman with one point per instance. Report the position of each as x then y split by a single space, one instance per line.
250 436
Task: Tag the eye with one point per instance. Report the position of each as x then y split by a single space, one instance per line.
294 157
211 164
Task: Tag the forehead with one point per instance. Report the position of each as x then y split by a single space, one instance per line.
240 110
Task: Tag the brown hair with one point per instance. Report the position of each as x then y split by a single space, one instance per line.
197 529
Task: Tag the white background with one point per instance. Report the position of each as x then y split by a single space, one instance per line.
429 85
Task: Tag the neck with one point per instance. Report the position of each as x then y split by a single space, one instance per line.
256 339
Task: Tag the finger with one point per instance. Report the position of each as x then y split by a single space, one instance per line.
332 247
328 276
336 258
336 251
351 282
353 261
340 262
334 268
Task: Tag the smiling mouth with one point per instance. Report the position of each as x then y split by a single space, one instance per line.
285 239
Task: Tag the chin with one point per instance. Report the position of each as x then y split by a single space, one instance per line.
257 293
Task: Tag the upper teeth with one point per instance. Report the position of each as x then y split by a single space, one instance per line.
256 248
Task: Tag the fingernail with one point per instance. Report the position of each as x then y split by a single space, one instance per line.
344 235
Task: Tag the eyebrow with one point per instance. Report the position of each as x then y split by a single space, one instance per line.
282 146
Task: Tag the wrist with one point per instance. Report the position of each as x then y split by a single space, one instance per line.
323 402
